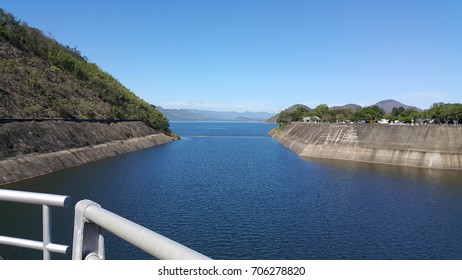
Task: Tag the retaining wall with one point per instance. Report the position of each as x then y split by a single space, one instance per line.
438 147
30 149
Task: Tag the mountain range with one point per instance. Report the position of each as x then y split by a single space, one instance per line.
207 115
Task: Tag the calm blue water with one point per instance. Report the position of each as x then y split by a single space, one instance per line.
252 198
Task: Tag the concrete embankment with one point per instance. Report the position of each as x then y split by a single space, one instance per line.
438 147
29 149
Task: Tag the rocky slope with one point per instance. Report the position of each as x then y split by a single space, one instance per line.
29 149
42 79
22 138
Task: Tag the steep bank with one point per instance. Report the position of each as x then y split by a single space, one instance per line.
41 78
29 149
438 147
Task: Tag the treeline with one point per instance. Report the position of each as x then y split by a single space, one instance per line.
439 113
123 104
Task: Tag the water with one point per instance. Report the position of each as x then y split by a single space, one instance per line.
229 191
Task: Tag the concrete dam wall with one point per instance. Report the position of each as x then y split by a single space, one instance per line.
438 147
29 149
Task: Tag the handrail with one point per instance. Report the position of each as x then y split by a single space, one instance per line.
46 200
35 198
89 217
31 244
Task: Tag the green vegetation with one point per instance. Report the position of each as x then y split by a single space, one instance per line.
369 113
293 114
323 112
438 113
41 78
405 115
445 113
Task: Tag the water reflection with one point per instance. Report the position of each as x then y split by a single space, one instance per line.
431 177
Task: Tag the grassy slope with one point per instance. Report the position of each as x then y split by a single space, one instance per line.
40 78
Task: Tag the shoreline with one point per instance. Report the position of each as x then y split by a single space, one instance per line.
33 148
24 167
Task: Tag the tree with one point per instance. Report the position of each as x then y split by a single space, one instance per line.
284 117
321 110
340 117
444 113
396 111
343 114
293 115
409 115
370 113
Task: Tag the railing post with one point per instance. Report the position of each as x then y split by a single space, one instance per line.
88 241
47 201
91 218
46 228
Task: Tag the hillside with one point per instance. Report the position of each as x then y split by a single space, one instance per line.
352 107
386 105
274 119
40 78
389 104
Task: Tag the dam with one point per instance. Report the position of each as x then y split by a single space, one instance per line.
425 146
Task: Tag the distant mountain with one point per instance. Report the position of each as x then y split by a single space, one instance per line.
274 119
389 104
353 107
230 115
207 115
294 107
181 114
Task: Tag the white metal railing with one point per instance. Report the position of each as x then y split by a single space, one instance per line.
46 200
90 218
88 241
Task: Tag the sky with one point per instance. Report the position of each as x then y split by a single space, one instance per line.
264 55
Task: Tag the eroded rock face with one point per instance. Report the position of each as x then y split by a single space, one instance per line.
29 149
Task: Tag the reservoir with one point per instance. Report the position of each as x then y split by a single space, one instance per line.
230 191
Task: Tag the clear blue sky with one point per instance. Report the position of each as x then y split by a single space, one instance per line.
265 55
